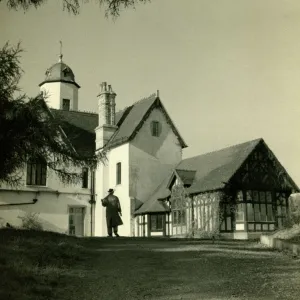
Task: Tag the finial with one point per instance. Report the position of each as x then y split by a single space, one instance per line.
60 52
157 93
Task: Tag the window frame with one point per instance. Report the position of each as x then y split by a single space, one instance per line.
155 218
69 104
40 169
179 217
155 128
85 178
118 173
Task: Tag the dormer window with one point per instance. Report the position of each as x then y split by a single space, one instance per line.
155 128
48 72
66 72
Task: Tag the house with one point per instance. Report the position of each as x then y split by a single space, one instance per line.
241 190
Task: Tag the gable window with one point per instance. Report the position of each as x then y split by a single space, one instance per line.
66 104
85 178
155 128
119 173
36 173
156 222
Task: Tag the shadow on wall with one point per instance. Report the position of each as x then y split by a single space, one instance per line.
23 219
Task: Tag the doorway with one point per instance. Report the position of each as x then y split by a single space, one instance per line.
76 221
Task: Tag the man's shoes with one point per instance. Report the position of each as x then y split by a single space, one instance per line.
117 235
109 235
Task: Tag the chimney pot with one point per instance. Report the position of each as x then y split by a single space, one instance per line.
109 88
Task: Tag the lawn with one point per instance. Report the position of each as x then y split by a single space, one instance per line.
53 266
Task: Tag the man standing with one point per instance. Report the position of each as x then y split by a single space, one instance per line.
113 212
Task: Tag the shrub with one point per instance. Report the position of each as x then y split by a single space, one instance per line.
294 212
31 221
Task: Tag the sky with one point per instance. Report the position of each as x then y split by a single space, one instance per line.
227 71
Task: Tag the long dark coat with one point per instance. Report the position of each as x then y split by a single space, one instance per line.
113 208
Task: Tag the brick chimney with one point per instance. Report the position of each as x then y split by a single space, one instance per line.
106 115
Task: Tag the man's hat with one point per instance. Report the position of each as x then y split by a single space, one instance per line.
110 190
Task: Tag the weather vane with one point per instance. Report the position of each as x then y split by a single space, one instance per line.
60 52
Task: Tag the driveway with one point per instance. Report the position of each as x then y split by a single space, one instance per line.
127 268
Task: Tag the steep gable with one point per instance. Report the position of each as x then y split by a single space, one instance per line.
131 119
80 126
263 170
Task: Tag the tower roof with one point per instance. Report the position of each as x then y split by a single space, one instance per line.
60 72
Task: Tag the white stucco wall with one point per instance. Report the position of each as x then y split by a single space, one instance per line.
53 203
52 210
57 91
52 206
106 179
152 158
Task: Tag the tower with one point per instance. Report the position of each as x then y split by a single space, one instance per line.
59 87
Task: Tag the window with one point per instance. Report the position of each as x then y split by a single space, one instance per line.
155 128
119 173
66 72
66 104
85 178
239 217
36 173
179 217
156 222
226 218
260 214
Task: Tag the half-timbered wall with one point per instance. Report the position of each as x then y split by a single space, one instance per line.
263 188
143 225
262 171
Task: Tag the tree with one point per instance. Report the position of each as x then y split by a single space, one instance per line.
28 130
112 7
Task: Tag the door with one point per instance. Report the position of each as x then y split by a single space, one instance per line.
76 221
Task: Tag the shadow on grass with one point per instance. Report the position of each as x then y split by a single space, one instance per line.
101 268
153 270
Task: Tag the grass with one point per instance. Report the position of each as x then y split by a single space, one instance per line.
39 265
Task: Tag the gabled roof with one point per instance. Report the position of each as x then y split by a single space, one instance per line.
204 172
214 169
79 127
131 119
